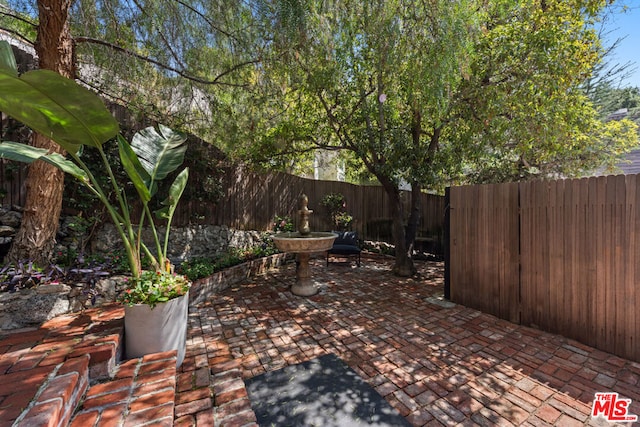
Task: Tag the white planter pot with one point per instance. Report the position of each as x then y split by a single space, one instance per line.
156 330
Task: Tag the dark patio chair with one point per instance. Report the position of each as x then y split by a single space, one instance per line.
345 245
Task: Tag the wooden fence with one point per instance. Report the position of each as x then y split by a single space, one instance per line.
561 256
12 178
250 201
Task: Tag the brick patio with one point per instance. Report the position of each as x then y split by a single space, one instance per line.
435 362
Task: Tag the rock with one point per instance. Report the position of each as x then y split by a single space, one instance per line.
7 231
185 242
53 288
107 289
36 309
10 218
106 239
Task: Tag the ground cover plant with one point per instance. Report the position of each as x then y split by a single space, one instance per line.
89 269
198 268
26 275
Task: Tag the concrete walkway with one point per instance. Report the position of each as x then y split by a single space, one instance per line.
437 363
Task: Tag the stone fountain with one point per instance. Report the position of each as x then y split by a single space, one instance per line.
303 243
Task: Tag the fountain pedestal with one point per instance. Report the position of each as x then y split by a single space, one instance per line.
303 247
303 286
303 244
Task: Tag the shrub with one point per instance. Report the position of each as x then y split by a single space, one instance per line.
336 207
198 268
282 224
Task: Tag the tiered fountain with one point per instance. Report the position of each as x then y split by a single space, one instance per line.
303 243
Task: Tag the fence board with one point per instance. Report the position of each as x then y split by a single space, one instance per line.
591 269
630 309
485 221
532 316
509 251
610 253
635 298
251 201
602 262
583 241
555 259
12 183
578 256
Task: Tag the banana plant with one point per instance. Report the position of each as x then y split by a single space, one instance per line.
73 117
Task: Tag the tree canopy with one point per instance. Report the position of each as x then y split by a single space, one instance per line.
442 93
495 93
424 93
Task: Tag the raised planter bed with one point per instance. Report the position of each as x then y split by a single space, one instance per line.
217 282
31 307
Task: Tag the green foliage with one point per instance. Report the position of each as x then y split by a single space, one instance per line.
333 202
10 169
72 116
265 248
204 163
336 206
66 112
186 64
522 112
198 268
608 100
343 220
82 225
282 224
116 262
17 22
154 287
501 99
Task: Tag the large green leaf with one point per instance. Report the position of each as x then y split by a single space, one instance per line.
28 154
175 193
55 106
134 169
159 153
7 60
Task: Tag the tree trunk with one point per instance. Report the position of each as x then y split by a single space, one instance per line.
414 215
45 183
416 188
403 263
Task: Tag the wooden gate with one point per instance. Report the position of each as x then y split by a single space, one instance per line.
559 255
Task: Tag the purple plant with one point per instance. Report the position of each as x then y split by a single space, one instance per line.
25 275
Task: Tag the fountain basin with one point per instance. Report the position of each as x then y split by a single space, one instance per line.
294 242
303 246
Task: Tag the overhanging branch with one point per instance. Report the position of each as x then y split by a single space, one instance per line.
216 80
17 34
17 17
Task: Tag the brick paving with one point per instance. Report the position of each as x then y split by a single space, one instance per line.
437 363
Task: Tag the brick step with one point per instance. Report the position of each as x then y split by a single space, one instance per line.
142 391
46 372
57 398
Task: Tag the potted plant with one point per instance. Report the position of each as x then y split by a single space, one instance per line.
74 117
336 206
